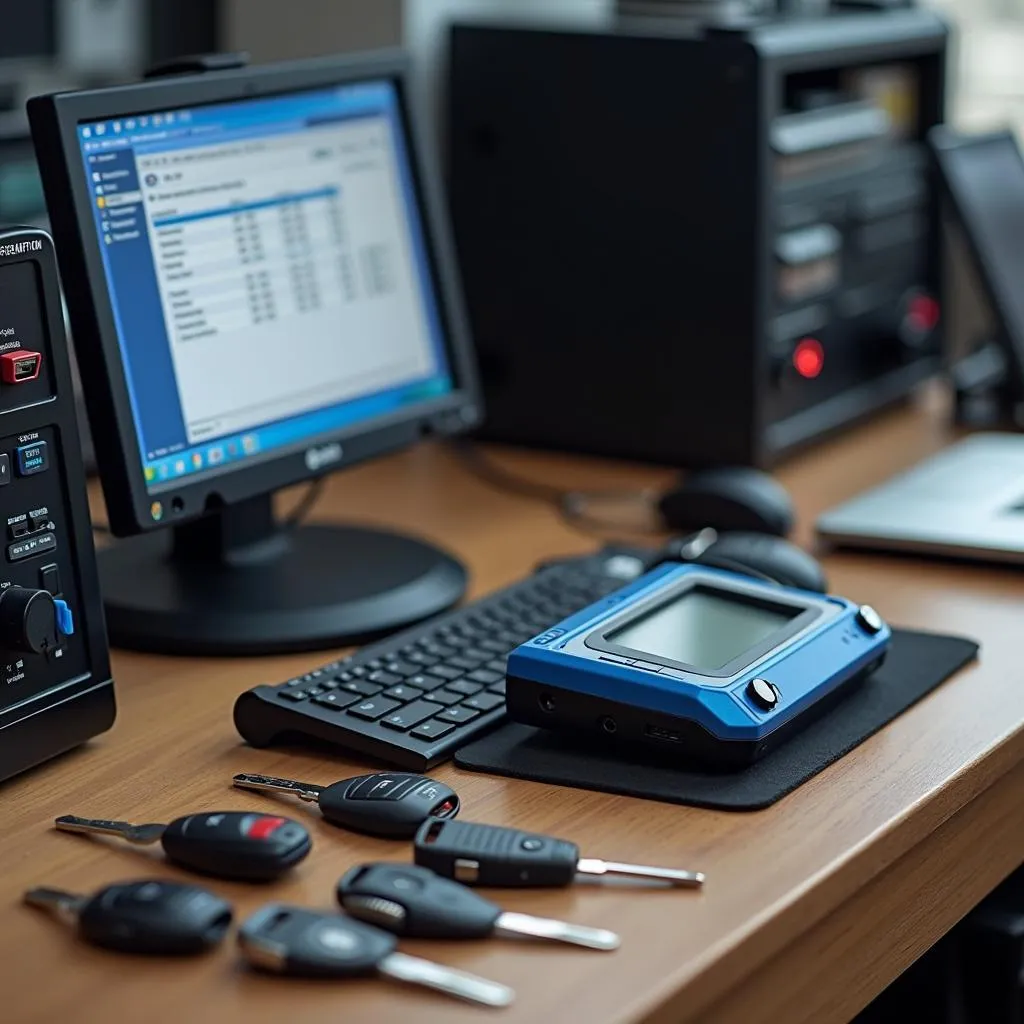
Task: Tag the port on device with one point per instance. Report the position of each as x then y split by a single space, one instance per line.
656 732
20 366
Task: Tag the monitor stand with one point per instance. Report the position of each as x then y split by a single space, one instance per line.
238 582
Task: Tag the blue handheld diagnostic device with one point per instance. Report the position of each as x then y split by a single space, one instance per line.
710 667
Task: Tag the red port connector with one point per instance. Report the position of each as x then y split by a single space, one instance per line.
20 366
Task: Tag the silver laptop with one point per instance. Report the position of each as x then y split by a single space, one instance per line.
965 502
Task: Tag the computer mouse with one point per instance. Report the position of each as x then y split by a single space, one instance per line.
727 499
766 557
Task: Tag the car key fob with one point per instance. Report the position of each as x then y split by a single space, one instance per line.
389 804
154 917
237 845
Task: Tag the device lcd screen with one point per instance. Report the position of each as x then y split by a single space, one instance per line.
703 629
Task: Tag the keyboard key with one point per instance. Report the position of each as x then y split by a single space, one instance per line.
497 688
335 700
464 663
374 708
432 730
329 684
477 654
362 687
291 694
402 668
463 686
458 714
410 715
314 691
445 672
422 682
403 692
443 696
485 676
437 650
485 701
490 644
498 665
422 658
382 678
359 671
456 640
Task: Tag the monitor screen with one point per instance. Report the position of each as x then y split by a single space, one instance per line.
703 629
267 271
986 178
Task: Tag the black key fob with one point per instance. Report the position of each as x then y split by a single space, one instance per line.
389 804
154 917
415 902
236 845
312 944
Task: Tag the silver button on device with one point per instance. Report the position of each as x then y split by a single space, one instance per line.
869 620
763 694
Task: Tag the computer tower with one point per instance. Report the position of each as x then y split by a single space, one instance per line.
697 245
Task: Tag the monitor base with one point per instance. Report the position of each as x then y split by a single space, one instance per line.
236 583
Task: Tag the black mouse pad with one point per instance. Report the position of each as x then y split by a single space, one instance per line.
916 665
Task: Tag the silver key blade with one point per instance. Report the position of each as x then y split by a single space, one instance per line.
684 879
303 790
557 931
57 901
141 834
445 979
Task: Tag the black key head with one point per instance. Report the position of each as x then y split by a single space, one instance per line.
312 944
414 902
389 804
478 854
236 845
155 917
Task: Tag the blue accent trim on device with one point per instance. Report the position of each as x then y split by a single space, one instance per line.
65 620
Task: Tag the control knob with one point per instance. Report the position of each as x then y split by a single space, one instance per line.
32 621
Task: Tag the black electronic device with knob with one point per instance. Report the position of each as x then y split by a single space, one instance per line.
55 685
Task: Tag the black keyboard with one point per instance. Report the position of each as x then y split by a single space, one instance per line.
413 699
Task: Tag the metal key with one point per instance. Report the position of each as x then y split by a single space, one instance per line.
149 916
228 844
309 943
416 903
389 804
479 854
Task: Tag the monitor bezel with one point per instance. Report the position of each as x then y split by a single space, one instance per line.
947 147
130 505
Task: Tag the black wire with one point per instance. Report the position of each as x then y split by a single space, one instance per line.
571 505
487 470
305 504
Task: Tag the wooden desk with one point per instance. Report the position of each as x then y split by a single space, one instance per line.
811 907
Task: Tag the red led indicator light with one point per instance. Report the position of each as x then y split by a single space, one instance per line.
809 358
923 313
261 828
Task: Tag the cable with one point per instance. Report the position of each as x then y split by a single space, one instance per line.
305 504
574 506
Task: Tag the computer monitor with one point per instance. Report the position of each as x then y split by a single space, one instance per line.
261 284
982 176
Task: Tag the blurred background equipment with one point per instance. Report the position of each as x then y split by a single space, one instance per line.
704 245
